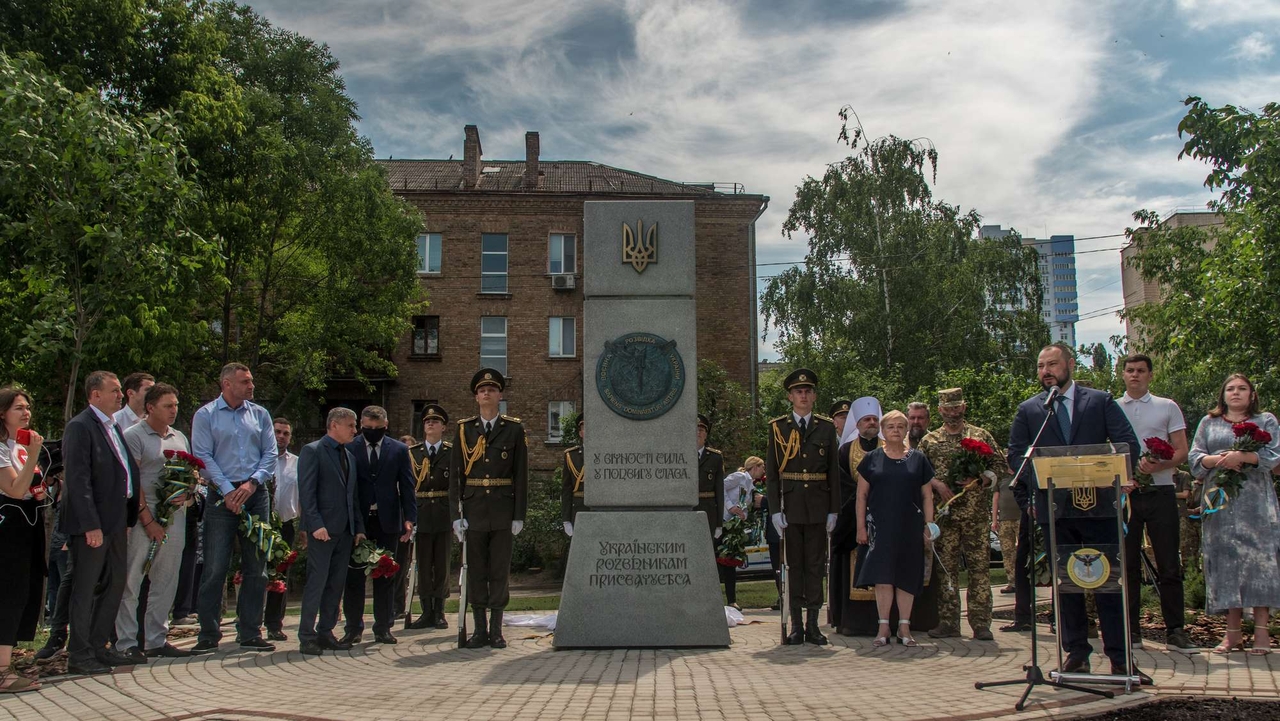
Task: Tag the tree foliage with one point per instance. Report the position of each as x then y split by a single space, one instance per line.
1220 305
896 283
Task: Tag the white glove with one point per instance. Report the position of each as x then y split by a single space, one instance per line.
568 529
717 533
831 522
517 527
990 476
779 522
460 529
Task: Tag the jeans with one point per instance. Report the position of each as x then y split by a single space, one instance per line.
58 558
221 528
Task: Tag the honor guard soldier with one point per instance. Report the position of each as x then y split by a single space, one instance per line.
803 482
432 470
840 416
965 524
710 479
489 487
572 488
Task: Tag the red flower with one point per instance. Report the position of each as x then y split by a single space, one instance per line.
283 566
185 457
1244 429
276 586
974 445
239 578
1159 448
168 453
1260 436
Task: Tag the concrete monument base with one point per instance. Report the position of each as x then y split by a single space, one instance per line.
641 579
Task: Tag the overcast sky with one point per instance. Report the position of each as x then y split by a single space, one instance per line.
1050 117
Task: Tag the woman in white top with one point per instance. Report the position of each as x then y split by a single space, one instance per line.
21 534
739 492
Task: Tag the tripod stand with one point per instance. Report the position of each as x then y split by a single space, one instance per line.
1035 677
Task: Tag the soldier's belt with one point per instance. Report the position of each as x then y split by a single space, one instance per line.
707 494
487 482
433 494
804 476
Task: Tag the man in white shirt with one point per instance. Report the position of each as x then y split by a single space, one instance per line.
135 387
286 505
1154 503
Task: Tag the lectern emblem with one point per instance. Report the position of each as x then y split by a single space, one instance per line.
640 375
1088 568
638 247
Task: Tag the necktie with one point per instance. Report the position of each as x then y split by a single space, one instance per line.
373 461
1064 421
431 453
488 426
803 426
342 461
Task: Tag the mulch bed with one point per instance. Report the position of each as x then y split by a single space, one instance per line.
1206 631
25 663
1189 709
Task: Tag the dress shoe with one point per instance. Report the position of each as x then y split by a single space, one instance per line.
420 623
112 657
1016 627
257 644
310 648
135 655
351 638
276 635
51 648
88 667
1008 590
327 642
205 647
811 633
1178 640
169 651
944 630
185 621
1076 664
384 637
1143 679
983 634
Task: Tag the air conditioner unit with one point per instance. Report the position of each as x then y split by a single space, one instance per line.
562 281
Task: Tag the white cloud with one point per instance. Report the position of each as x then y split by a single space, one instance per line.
1201 14
1252 47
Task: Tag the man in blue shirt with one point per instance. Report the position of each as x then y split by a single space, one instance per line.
235 439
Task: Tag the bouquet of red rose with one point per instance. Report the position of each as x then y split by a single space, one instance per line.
975 459
1158 449
178 481
276 586
377 562
1249 439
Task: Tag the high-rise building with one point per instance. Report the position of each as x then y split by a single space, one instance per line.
1060 305
1138 290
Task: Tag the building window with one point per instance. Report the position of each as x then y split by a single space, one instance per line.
426 336
493 343
419 407
429 253
562 257
557 410
493 263
562 337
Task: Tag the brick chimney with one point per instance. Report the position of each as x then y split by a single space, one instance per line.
531 160
471 152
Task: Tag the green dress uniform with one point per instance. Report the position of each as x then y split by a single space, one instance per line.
965 529
803 483
711 487
573 487
434 541
489 487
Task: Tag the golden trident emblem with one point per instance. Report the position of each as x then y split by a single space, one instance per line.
638 248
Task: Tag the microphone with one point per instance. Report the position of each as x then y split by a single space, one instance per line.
1054 392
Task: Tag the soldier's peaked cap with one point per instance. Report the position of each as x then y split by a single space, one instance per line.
487 377
704 422
951 398
840 407
801 377
436 412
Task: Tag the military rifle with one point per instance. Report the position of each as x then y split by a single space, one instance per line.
462 587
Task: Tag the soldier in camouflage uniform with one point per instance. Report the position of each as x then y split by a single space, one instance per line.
965 526
710 479
573 490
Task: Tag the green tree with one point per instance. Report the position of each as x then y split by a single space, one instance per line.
92 221
728 406
895 281
1220 305
991 394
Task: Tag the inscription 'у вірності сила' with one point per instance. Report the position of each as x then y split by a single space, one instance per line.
640 466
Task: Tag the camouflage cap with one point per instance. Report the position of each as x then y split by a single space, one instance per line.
951 398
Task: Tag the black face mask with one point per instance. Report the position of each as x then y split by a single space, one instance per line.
373 435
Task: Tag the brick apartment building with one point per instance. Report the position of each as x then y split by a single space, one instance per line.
500 258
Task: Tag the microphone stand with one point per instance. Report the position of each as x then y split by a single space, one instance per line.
1035 677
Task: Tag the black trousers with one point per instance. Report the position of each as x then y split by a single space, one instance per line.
184 600
1073 633
433 551
729 577
273 617
97 585
383 588
489 568
806 561
1156 512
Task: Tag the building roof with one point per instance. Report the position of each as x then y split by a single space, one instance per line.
555 176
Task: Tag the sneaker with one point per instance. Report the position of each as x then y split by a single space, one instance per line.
257 644
185 621
1135 640
1008 590
1177 640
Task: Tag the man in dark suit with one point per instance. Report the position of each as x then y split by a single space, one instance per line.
1082 416
489 496
327 497
389 510
99 504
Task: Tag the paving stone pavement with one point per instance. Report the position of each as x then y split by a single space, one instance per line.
426 676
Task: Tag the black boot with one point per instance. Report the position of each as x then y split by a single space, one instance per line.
796 637
495 629
439 619
479 637
425 619
811 633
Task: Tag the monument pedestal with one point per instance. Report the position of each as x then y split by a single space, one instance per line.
641 579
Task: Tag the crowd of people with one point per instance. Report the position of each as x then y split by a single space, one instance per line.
884 511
